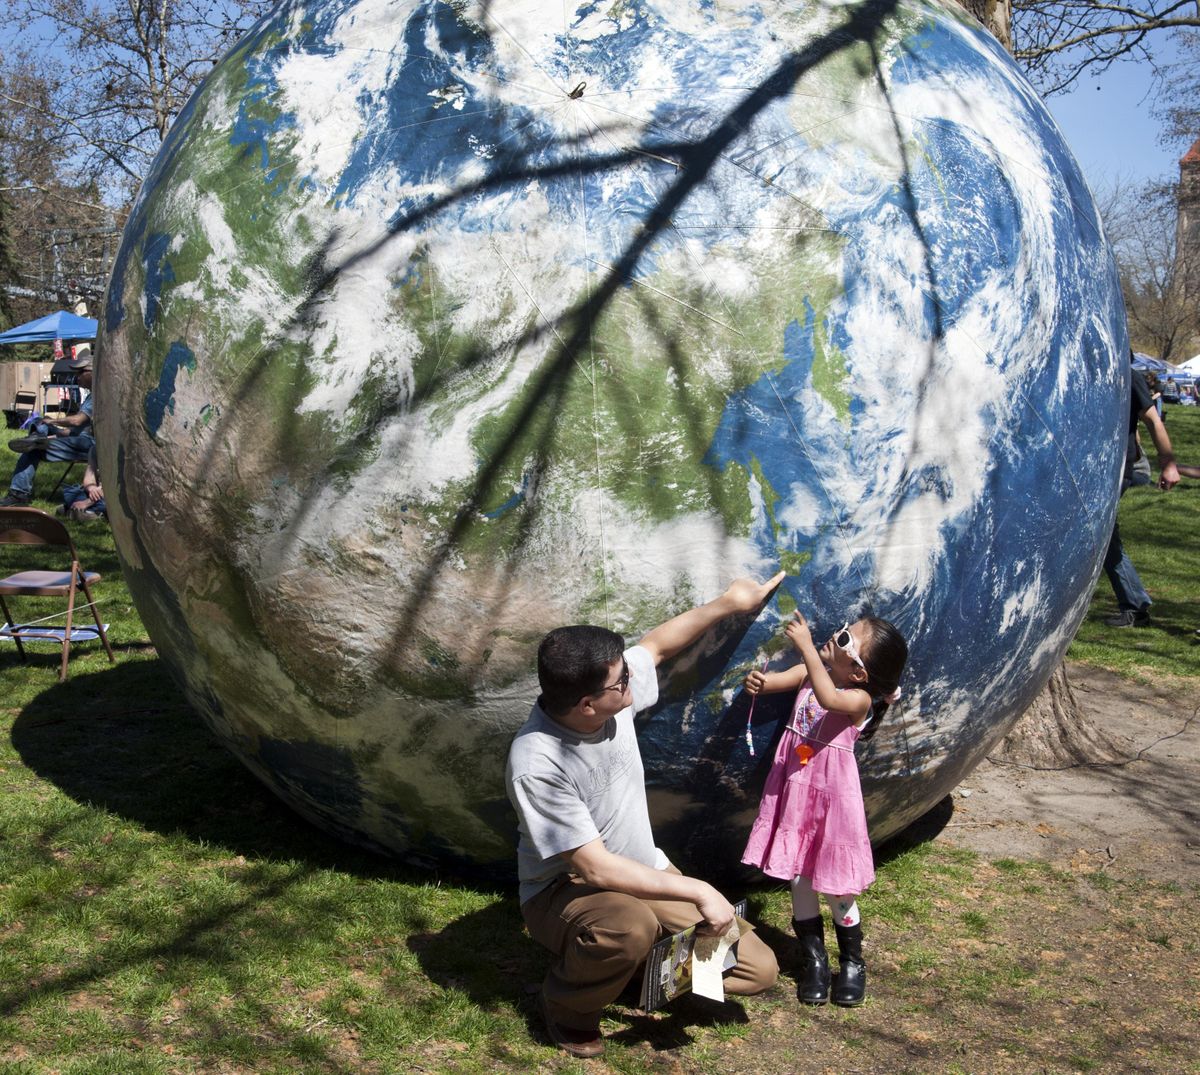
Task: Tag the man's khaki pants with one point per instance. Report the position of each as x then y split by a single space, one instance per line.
602 937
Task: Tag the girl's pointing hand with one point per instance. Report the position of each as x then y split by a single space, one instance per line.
798 632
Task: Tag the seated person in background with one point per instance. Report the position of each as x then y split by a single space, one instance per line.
85 502
67 439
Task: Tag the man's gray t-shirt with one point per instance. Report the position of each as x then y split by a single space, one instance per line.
569 789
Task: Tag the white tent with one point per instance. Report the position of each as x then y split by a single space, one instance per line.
1192 365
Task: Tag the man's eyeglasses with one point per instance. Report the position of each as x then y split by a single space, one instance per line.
622 681
844 641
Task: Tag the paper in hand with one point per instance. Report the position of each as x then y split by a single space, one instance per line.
709 957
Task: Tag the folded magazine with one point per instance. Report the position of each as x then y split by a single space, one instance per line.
669 964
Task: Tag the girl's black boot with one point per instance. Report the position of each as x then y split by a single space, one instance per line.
850 986
812 979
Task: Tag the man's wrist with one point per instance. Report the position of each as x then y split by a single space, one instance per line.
700 890
721 606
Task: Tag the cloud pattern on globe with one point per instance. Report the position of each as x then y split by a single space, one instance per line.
437 325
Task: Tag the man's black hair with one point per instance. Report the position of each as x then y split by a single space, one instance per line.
574 662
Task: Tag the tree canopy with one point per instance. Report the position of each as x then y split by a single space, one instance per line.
113 74
1160 300
88 92
1179 104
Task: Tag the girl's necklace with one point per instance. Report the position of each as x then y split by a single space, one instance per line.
806 719
807 716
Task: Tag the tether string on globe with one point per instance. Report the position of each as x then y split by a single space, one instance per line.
601 499
528 55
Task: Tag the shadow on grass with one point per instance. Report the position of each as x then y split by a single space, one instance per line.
673 1027
925 829
515 964
125 740
510 971
506 974
140 753
1177 620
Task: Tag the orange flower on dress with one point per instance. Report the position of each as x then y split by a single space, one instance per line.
804 752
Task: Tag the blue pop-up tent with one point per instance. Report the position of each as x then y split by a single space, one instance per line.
1151 365
59 326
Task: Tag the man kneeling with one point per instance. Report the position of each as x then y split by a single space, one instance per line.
595 889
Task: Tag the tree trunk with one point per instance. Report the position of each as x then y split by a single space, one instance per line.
1053 731
996 16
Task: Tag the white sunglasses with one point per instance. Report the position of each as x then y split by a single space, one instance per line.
844 641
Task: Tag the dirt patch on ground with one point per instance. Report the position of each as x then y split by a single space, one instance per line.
1137 816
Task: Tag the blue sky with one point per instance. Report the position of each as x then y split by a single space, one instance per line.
1109 127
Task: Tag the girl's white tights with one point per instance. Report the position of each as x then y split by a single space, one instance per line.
806 905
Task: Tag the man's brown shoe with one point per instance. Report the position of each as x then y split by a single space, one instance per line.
581 1043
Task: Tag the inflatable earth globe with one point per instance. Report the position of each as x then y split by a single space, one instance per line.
438 325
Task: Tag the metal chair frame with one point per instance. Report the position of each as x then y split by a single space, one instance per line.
29 526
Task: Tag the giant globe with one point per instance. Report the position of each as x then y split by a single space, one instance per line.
438 325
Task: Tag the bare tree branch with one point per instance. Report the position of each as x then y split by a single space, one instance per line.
1179 104
88 91
1057 41
133 65
57 194
1160 299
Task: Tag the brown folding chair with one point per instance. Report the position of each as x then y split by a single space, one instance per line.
28 526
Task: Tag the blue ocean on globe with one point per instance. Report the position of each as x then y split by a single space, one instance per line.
438 325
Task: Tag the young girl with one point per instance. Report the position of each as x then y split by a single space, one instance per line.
812 827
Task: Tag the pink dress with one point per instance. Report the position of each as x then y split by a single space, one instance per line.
811 822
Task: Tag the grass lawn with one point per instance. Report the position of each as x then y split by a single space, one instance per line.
161 912
1161 533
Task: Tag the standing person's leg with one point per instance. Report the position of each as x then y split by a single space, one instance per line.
850 984
1132 599
812 976
600 939
757 968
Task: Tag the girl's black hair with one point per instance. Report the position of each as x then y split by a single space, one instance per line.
884 656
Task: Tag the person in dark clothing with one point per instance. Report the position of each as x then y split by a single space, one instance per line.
1133 602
